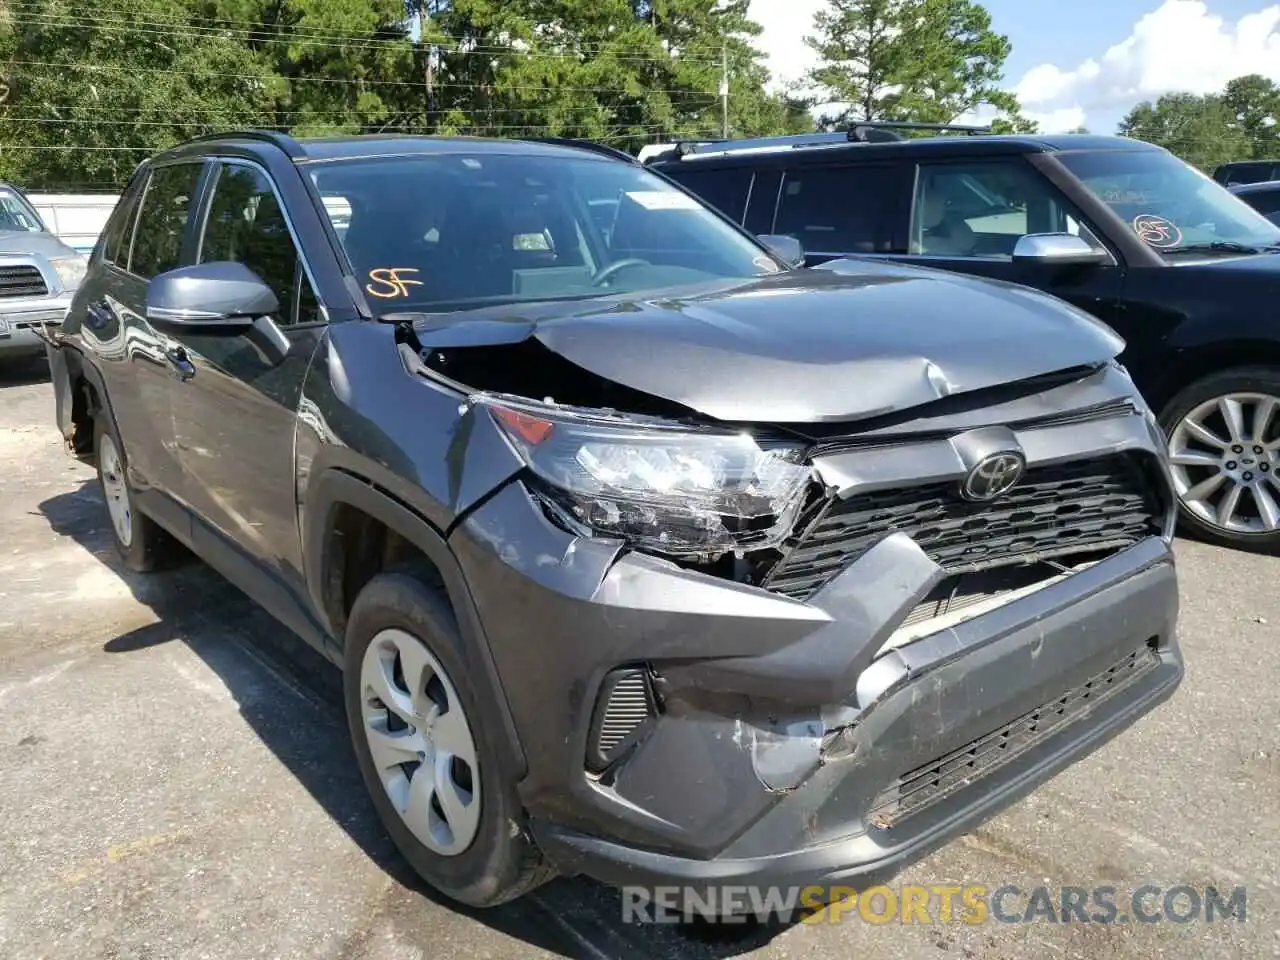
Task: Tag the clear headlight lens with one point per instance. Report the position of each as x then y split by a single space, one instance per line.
664 487
70 271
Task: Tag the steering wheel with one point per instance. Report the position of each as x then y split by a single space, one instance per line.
609 269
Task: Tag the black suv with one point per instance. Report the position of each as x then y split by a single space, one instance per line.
644 555
1263 197
1247 171
1181 269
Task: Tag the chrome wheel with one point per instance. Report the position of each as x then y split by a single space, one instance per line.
115 490
420 742
1224 455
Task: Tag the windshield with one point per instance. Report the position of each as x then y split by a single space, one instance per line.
1167 203
16 214
448 231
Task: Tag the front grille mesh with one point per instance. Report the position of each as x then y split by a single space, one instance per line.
1055 511
22 281
925 786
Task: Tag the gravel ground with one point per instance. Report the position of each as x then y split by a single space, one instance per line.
175 780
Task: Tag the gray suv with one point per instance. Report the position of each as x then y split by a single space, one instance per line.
38 275
643 554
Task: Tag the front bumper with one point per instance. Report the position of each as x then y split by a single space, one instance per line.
786 750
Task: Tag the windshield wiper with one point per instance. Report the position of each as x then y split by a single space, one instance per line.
1220 246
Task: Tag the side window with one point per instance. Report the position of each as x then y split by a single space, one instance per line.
982 209
166 207
840 209
725 189
119 231
245 224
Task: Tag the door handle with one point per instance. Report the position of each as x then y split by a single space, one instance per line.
99 314
177 356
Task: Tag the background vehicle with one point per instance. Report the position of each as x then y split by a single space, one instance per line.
639 555
76 219
1263 197
1247 171
1183 270
38 274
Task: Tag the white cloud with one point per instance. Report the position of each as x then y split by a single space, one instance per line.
1180 46
786 23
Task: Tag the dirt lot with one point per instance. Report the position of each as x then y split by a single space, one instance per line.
175 780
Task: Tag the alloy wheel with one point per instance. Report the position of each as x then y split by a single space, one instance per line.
1224 456
116 491
420 741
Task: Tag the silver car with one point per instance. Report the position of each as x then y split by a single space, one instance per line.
38 275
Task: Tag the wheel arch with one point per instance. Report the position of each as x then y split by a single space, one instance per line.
1196 362
341 504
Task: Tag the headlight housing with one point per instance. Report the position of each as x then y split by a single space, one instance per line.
674 489
70 270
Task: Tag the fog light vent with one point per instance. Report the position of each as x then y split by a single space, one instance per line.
625 703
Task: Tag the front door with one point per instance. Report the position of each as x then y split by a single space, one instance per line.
968 216
235 422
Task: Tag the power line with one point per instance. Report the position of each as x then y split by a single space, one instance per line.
363 82
257 33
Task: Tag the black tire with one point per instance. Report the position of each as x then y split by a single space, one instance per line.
1262 380
149 547
502 862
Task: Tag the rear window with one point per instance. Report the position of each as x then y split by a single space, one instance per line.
119 230
840 209
726 190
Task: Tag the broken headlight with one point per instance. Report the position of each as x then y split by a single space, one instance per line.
665 487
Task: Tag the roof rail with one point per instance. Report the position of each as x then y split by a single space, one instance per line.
869 131
282 140
890 125
592 145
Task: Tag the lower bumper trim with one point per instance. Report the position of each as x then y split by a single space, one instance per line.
864 859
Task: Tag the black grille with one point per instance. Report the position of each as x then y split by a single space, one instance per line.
1055 511
626 701
22 281
927 785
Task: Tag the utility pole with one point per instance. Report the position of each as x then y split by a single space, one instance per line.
724 90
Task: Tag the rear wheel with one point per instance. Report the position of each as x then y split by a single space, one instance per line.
1224 449
139 540
423 740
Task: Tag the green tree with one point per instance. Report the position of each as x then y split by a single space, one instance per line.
90 98
92 91
1253 102
1200 129
921 60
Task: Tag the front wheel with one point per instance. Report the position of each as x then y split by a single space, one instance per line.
1224 450
423 740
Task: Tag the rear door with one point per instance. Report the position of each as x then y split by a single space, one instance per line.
139 365
968 216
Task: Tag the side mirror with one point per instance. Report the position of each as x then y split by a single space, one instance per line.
787 249
211 297
1063 249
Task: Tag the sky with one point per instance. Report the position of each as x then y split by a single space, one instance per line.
1087 62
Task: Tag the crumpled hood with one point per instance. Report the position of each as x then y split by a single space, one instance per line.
37 244
849 340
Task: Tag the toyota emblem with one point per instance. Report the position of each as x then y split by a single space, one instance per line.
993 476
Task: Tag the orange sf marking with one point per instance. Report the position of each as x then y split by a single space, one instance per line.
391 283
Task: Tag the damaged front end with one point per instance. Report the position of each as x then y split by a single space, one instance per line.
745 649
